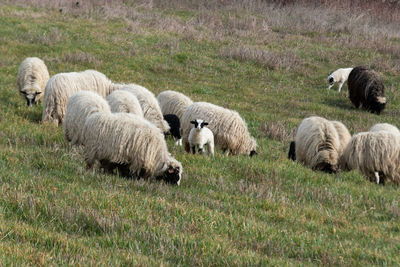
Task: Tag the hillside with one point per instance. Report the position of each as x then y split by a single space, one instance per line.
267 61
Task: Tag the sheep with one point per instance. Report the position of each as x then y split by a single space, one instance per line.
375 154
175 127
61 86
385 127
339 76
149 104
200 136
230 130
79 106
123 101
366 89
172 102
31 79
319 143
131 143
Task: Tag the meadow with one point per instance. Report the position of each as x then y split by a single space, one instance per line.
265 59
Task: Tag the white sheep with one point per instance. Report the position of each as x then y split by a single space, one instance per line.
31 79
149 104
375 154
79 106
61 86
320 143
123 101
339 76
200 136
172 102
385 127
230 130
132 144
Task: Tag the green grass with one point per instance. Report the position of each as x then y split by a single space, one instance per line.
263 210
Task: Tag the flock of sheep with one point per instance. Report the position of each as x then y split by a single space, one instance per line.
123 126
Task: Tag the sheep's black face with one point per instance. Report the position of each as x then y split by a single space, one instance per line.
292 151
199 123
30 98
253 153
172 175
325 167
331 80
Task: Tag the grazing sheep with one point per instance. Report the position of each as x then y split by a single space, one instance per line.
79 106
149 104
123 101
375 154
175 130
61 86
230 130
31 80
131 143
385 127
319 143
366 89
200 136
339 76
172 102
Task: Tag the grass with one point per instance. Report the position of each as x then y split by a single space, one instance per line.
264 210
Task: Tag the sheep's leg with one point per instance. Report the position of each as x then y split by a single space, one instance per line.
340 86
178 142
193 150
377 177
210 149
330 86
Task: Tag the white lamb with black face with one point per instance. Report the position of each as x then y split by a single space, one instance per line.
200 136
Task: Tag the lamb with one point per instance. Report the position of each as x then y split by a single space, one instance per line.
132 144
319 143
61 86
31 79
375 154
149 104
200 136
339 76
366 89
79 106
172 102
230 130
123 101
385 127
175 127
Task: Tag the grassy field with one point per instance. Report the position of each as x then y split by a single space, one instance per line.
269 63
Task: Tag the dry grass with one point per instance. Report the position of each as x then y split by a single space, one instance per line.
271 60
278 131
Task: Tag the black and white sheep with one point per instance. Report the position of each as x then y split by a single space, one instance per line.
229 129
175 127
31 79
201 136
366 89
132 144
319 143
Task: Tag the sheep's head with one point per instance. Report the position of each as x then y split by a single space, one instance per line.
252 147
199 124
31 94
172 173
331 80
326 161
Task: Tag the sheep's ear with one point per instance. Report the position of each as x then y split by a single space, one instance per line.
193 122
205 123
